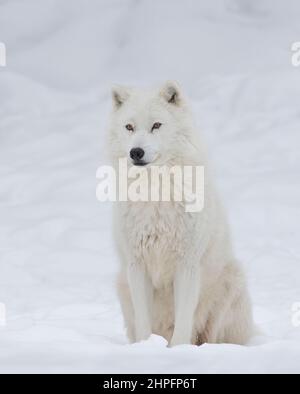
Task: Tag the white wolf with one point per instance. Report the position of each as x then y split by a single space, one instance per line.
179 277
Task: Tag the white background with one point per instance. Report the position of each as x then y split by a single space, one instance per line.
57 259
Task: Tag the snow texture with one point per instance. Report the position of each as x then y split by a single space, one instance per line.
57 257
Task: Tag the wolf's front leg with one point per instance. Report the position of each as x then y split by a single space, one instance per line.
142 297
186 294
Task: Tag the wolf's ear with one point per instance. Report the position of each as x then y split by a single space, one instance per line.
171 93
119 95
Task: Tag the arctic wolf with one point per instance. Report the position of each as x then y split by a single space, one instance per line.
178 275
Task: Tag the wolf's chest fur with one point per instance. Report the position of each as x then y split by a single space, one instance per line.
156 233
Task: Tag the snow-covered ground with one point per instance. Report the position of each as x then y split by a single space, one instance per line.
57 260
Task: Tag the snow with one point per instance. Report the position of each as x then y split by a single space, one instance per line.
57 257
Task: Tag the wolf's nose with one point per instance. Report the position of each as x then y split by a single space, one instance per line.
137 154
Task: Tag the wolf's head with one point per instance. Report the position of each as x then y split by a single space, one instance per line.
150 126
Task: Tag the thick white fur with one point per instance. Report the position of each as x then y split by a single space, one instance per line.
179 277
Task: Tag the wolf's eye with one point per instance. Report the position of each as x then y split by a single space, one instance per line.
156 126
129 127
